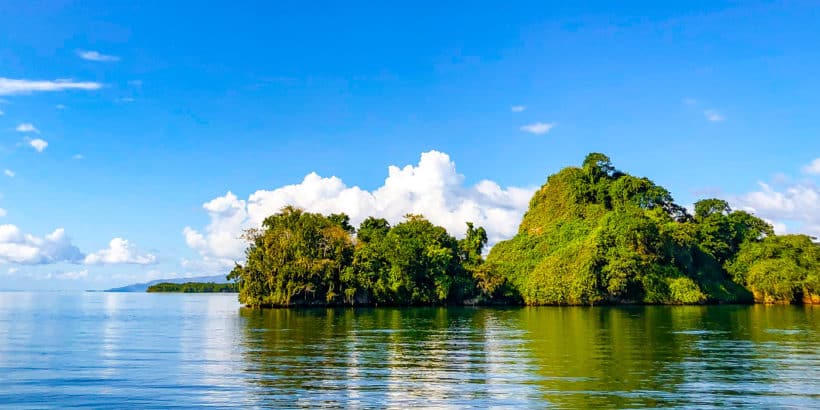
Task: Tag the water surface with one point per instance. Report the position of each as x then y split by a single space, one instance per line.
181 350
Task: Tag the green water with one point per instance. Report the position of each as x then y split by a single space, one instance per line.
107 350
563 356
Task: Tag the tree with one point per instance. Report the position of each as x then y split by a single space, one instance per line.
298 257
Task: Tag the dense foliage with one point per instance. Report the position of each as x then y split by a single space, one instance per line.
302 258
592 235
598 235
193 287
780 269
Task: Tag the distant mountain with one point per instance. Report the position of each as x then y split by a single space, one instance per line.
142 287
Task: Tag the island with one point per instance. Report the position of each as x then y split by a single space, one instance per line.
592 235
193 287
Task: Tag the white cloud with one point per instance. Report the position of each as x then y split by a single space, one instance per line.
3 213
432 188
797 205
713 116
120 251
27 127
38 144
538 128
9 173
12 271
518 108
74 275
96 56
690 101
2 113
78 156
10 86
60 107
16 247
813 167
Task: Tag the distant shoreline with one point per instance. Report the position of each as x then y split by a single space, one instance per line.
193 287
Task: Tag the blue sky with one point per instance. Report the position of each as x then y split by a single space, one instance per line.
150 111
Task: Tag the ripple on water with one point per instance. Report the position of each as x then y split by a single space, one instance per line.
136 350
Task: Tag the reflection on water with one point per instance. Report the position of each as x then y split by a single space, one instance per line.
154 350
564 356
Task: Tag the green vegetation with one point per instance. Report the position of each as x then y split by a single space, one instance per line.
598 235
193 287
301 258
592 235
779 269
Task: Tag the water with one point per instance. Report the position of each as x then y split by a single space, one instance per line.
114 350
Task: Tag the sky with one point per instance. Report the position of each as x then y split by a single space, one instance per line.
137 141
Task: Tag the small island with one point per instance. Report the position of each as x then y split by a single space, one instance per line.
193 287
592 235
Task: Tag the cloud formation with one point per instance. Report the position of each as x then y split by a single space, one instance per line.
9 173
119 251
796 203
27 127
713 116
27 249
10 86
813 168
38 144
538 128
73 275
518 108
91 55
432 188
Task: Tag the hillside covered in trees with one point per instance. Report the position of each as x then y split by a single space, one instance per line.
592 235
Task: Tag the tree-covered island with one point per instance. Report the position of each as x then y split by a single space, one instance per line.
193 287
592 235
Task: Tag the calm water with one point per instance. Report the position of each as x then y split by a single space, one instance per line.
146 350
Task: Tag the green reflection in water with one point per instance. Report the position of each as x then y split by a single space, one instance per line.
561 356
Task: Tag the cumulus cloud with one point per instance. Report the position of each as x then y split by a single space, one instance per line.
432 188
538 128
120 251
797 204
713 116
27 127
17 247
38 144
10 86
9 173
91 55
518 108
2 113
813 168
3 213
78 156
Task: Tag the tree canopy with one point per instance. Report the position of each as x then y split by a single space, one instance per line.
301 258
598 235
591 235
